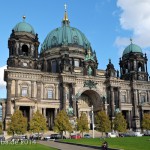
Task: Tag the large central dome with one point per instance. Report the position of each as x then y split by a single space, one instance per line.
65 35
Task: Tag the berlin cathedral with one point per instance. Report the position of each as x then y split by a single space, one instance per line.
65 75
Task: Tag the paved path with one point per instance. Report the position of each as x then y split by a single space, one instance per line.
63 146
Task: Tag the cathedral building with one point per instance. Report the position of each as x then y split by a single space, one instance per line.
65 75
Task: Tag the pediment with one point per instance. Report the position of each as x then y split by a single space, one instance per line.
26 37
25 99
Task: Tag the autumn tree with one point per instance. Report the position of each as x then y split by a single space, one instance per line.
82 123
102 122
1 127
18 123
120 123
38 123
61 123
146 121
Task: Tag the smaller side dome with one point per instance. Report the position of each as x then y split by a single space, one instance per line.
132 48
24 27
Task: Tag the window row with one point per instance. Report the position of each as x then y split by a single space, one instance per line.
49 93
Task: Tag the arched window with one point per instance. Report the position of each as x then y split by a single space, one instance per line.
25 50
54 67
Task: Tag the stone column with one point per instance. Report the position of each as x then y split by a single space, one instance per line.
112 101
74 102
129 118
64 96
8 105
135 103
32 89
3 110
55 113
38 91
31 112
119 98
148 97
16 88
44 112
56 91
136 119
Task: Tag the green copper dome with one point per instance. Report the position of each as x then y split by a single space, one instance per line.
132 48
23 27
65 35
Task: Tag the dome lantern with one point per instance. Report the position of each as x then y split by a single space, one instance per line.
24 27
132 48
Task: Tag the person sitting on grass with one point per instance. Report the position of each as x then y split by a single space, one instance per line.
105 146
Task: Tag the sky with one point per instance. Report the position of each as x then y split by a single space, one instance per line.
107 24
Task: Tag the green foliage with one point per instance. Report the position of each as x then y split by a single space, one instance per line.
18 123
1 127
62 122
146 121
38 123
120 123
102 121
82 123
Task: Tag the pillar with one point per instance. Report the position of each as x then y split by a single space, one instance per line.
112 101
38 90
56 91
129 118
55 112
136 119
8 105
74 102
16 88
32 89
64 96
119 98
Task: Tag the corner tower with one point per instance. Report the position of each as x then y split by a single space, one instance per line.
133 64
23 46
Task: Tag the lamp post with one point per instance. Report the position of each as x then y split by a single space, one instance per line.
92 121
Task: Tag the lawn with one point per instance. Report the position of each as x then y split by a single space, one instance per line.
24 147
126 143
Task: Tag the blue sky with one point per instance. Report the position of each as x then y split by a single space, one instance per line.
108 25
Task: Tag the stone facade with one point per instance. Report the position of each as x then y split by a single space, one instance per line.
66 76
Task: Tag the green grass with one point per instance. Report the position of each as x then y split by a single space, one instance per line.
25 147
126 143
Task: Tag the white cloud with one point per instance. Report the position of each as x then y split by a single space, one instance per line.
2 83
135 17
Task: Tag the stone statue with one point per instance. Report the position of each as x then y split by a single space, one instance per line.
70 111
90 71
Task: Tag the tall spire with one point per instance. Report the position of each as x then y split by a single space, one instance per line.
65 19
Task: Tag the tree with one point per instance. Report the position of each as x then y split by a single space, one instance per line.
102 121
82 123
120 123
38 123
146 121
61 123
18 123
1 127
